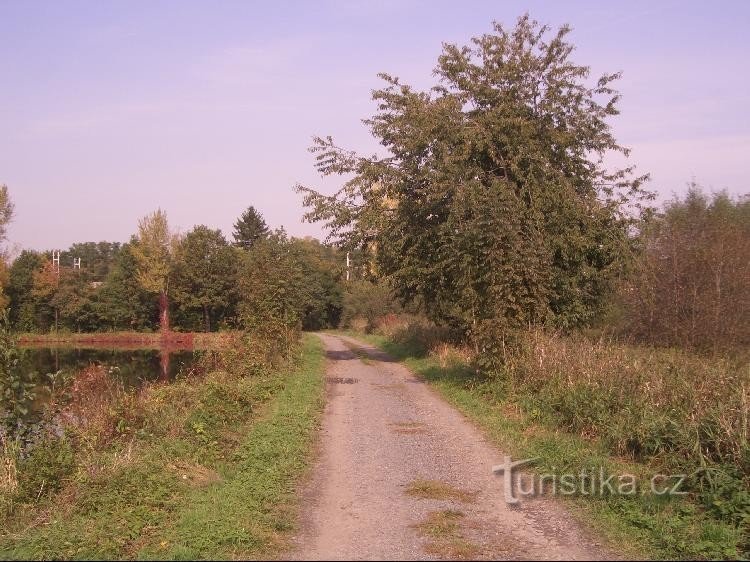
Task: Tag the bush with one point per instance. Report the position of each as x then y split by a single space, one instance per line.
365 303
45 469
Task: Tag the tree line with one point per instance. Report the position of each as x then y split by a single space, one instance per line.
199 281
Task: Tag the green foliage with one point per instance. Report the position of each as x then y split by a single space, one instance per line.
23 308
365 302
322 270
493 208
272 288
97 258
153 250
16 385
45 469
204 275
121 302
249 229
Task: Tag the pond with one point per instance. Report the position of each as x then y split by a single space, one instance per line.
131 365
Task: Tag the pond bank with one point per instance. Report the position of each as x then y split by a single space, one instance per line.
147 477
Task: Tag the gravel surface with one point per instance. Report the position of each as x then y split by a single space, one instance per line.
385 430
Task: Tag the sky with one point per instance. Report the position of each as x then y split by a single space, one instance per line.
109 110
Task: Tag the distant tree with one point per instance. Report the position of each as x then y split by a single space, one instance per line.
6 214
322 271
205 268
153 253
45 286
97 258
367 301
691 285
6 211
23 305
122 302
249 228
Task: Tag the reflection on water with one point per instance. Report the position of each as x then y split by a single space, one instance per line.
40 368
131 366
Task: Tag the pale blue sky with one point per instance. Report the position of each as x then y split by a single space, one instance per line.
111 109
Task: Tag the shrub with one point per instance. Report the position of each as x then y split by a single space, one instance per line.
365 303
44 471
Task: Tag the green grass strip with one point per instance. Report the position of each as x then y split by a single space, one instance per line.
199 495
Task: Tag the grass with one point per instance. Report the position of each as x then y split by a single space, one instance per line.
640 525
209 474
435 490
443 530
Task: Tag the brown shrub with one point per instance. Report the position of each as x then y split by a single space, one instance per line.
691 287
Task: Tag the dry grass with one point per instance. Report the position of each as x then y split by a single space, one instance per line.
196 475
449 355
436 490
446 540
8 469
640 399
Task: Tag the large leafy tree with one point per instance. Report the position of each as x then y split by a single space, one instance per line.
153 252
272 288
492 207
249 228
205 274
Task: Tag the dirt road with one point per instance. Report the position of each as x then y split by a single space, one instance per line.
402 475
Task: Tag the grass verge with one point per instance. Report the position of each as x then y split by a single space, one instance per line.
209 474
641 525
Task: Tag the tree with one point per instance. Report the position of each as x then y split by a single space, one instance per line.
122 302
322 270
23 305
249 228
97 258
153 253
45 286
691 284
493 208
6 214
205 273
6 211
271 285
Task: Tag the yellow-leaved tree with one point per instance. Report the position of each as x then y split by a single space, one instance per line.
153 252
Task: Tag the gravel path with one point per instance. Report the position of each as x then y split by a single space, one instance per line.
387 436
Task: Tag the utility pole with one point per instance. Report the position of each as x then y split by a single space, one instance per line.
347 267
